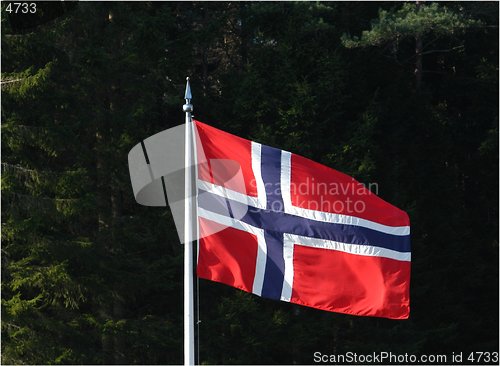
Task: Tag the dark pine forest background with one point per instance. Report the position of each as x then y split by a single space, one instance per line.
401 94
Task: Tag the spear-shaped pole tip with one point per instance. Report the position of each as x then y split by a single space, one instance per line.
188 95
188 107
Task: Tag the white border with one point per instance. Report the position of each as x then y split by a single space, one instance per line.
257 173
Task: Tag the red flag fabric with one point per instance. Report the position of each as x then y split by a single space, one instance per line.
281 226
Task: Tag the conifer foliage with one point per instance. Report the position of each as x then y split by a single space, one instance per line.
399 94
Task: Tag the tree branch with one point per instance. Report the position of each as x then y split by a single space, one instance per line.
440 51
11 81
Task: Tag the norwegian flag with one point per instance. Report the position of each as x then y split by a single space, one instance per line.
284 227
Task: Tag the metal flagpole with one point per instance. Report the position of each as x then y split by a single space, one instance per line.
188 234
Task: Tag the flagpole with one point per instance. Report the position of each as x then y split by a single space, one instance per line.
188 234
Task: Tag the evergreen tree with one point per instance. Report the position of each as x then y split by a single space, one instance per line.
89 276
414 21
76 257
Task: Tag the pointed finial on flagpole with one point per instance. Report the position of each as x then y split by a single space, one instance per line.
188 107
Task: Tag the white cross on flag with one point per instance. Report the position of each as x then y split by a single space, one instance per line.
290 229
